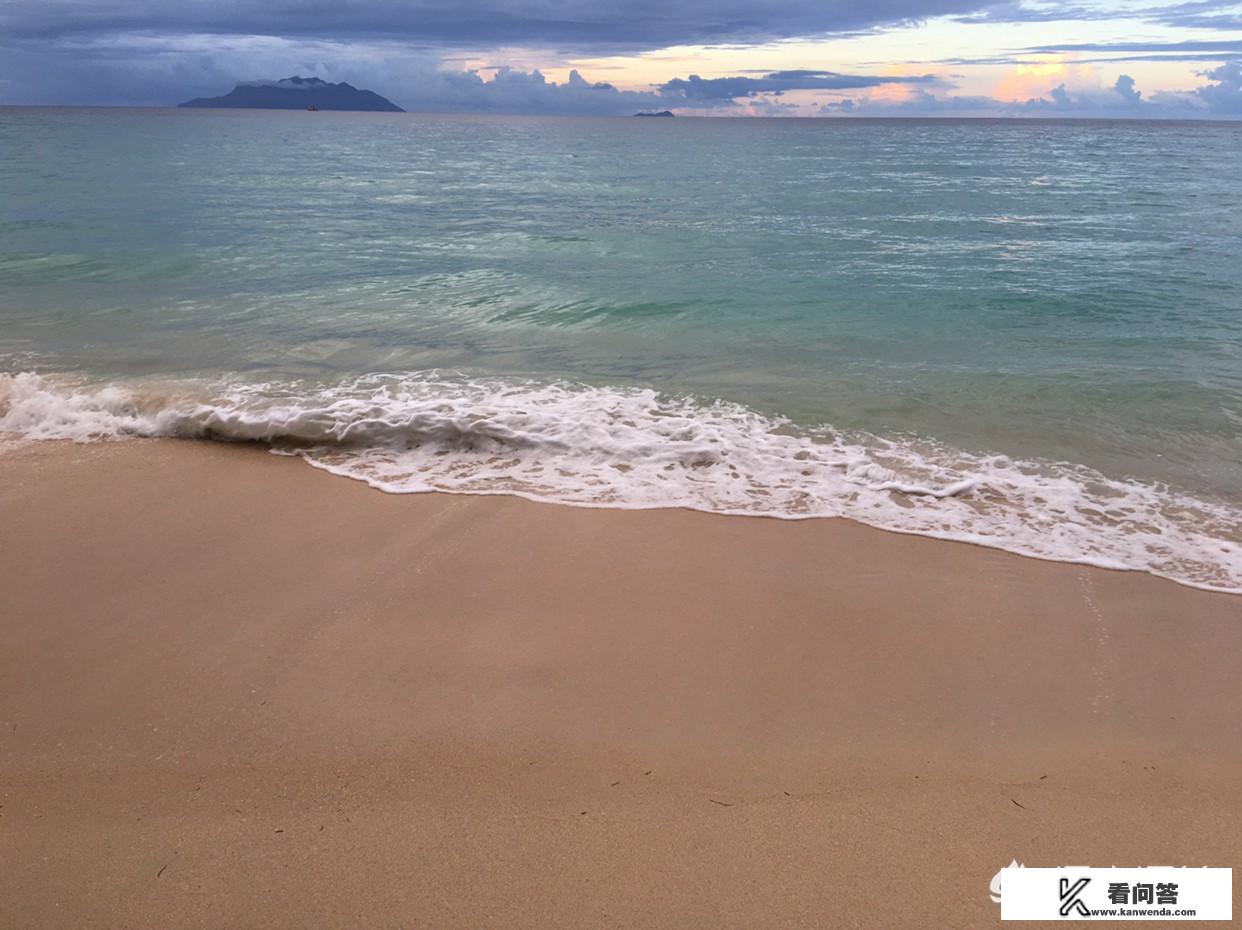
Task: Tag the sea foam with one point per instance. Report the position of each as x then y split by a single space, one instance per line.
636 448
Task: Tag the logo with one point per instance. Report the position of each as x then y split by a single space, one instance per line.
995 888
1070 901
1079 892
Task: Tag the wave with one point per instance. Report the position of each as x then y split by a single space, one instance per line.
637 448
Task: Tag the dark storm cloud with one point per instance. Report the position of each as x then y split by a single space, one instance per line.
566 24
695 88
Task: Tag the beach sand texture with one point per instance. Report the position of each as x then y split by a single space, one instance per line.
239 692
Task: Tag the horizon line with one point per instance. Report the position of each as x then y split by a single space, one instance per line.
1065 118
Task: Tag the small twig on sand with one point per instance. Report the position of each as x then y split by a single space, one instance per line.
721 803
1016 804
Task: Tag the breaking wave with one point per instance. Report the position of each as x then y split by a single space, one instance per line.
636 448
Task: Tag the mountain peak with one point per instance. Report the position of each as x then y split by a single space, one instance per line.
298 93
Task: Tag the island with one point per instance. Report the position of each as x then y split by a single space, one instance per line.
661 113
298 93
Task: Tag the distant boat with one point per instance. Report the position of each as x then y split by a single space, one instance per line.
313 108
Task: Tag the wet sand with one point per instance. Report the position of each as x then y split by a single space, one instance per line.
237 691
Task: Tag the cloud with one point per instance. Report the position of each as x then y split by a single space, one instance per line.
1221 15
144 70
1200 14
1125 89
1022 11
1221 98
160 71
142 52
918 103
1188 50
160 51
562 24
1034 77
1224 96
1190 57
512 91
695 88
1119 101
1208 47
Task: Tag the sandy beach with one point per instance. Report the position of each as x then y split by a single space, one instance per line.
236 691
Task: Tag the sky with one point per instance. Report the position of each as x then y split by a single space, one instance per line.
840 58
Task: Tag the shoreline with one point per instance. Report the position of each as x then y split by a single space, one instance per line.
15 441
237 690
762 515
634 449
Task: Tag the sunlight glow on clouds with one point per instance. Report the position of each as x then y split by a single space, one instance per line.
1022 82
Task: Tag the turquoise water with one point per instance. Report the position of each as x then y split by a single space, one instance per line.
1026 334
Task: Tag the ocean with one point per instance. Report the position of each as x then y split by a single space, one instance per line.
1021 334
